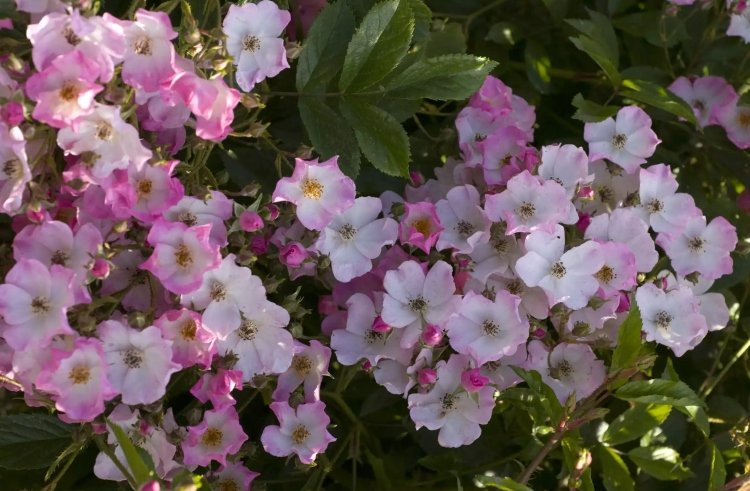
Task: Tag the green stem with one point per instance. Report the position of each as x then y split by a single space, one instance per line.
120 466
726 368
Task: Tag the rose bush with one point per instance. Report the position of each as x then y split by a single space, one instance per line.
298 245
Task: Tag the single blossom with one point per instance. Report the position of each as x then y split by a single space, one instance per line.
192 343
319 190
232 476
217 387
216 437
706 95
625 226
15 172
567 165
420 225
301 431
627 140
660 205
309 364
570 369
465 225
213 209
355 237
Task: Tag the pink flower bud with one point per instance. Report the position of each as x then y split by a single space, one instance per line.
12 113
584 219
624 305
326 305
426 376
417 179
250 221
258 245
379 326
100 269
273 211
293 254
432 335
151 486
36 216
473 380
743 201
586 192
366 365
539 333
460 280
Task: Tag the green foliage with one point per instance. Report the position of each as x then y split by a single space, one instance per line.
635 422
32 441
663 463
659 391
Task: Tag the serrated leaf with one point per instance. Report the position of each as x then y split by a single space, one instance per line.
659 391
422 21
32 441
594 50
378 45
325 47
654 26
329 135
628 341
663 463
448 77
136 463
615 473
591 112
381 138
549 400
599 41
635 422
657 96
503 483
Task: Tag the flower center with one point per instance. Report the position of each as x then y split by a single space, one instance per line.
514 287
13 168
40 305
69 91
490 328
500 244
79 374
212 437
374 336
248 330
422 225
187 218
144 187
618 141
526 210
301 364
581 328
347 232
132 358
654 206
606 194
699 105
60 258
448 402
662 320
744 119
250 43
418 304
70 36
300 434
464 228
558 270
182 256
606 274
104 131
142 46
188 330
696 244
564 369
312 188
218 291
227 485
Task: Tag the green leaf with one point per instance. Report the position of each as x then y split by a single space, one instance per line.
329 135
591 112
656 27
325 46
450 39
538 64
503 483
449 77
635 422
378 45
136 464
382 139
663 463
718 472
32 441
659 391
598 40
7 8
549 400
657 96
422 21
628 341
615 473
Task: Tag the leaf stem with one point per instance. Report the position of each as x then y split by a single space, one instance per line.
726 368
120 466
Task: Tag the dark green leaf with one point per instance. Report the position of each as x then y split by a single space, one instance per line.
549 399
136 463
635 422
591 112
382 139
659 391
325 47
598 40
32 441
718 472
329 135
422 21
449 77
628 341
378 45
615 473
503 483
657 96
538 64
7 8
594 50
655 26
663 463
449 40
